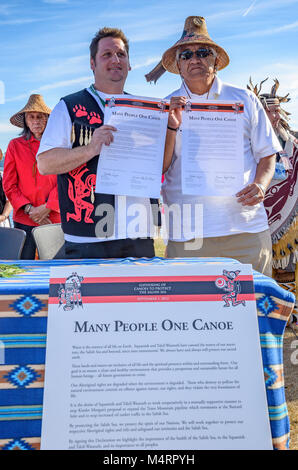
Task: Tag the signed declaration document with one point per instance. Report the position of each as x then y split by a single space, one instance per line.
132 164
154 357
212 148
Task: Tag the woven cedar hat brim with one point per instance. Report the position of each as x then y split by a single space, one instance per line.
35 104
169 57
194 32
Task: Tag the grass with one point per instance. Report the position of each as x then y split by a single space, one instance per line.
159 247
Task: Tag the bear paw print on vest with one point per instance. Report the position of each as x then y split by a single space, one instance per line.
94 118
79 110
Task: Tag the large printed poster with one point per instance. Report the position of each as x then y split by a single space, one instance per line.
154 357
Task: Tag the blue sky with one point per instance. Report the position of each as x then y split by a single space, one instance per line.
45 45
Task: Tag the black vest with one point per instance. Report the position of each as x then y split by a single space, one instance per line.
76 189
81 205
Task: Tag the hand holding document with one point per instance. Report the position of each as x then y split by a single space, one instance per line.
132 164
212 148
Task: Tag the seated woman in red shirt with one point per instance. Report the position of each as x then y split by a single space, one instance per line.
34 197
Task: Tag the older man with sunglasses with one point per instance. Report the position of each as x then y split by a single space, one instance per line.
236 226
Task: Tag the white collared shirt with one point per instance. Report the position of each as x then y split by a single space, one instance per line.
131 224
222 215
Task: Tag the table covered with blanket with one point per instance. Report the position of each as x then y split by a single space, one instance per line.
23 332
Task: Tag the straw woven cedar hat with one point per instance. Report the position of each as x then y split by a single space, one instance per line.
195 32
35 104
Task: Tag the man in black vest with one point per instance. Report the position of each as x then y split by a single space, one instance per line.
71 147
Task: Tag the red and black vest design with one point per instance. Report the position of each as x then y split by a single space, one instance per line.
81 206
77 198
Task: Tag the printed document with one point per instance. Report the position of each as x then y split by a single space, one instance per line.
132 164
212 148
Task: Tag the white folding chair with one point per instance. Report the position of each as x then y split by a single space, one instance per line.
49 240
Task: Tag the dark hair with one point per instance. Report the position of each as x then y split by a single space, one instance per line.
26 133
104 33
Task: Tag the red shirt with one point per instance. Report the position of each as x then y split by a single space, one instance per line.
23 184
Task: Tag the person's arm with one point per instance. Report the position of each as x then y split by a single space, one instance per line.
39 214
254 193
52 201
6 211
11 180
169 149
57 161
175 118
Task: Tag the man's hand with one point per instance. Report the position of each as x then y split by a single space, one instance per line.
177 104
174 121
101 136
251 195
40 214
254 193
62 160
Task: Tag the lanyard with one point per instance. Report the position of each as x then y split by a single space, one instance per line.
95 93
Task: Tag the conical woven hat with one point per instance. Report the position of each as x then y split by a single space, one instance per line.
35 104
195 32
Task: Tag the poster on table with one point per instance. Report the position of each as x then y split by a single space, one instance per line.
154 357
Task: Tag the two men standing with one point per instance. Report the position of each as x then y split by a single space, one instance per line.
234 227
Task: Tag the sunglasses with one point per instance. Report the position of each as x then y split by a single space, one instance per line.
200 53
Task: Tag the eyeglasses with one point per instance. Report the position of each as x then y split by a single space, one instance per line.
200 53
